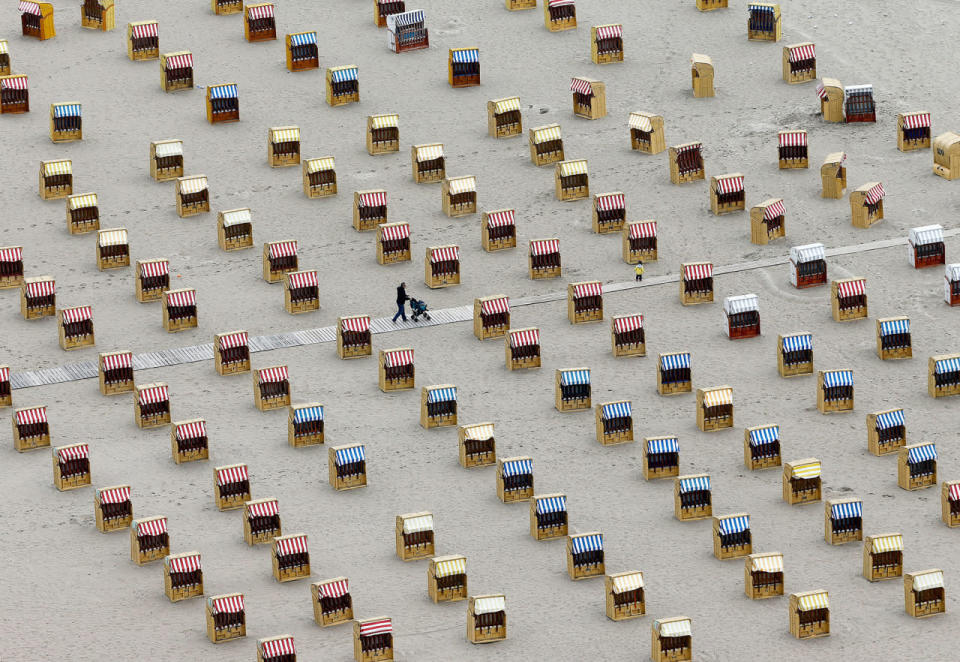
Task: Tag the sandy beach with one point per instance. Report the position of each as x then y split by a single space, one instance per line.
72 593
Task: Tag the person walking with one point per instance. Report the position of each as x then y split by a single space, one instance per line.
401 302
638 270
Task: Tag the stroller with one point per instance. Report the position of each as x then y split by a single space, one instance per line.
418 308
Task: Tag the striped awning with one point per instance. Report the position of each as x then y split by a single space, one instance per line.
450 567
275 374
765 435
231 340
640 122
628 323
145 30
675 361
282 249
300 279
821 92
793 138
182 61
834 378
760 8
947 365
894 327
153 394
343 74
489 605
223 91
31 416
4 50
875 194
351 455
806 470
335 589
698 271
851 288
500 219
560 3
609 31
83 201
955 492
117 237
236 217
260 11
506 105
524 337
235 474
495 306
265 508
546 134
190 185
394 231
928 580
557 504
52 168
4 374
805 52
478 432
385 121
574 377
429 152
155 526
807 253
848 510
465 55
303 38
544 246
772 563
916 120
291 135
359 324
181 298
628 582
78 314
192 430
663 445
883 544
581 86
444 394
773 210
372 199
320 165
952 272
572 168
114 494
695 484
588 543
66 110
12 254
592 289
643 229
379 626
172 148
403 19
857 89
675 628
73 452
117 360
717 397
609 201
232 604
154 268
730 184
738 524
29 7
445 254
742 303
278 647
462 185
690 147
922 453
927 234
398 358
613 410
517 468
307 414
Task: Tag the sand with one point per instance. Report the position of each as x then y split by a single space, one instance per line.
72 593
